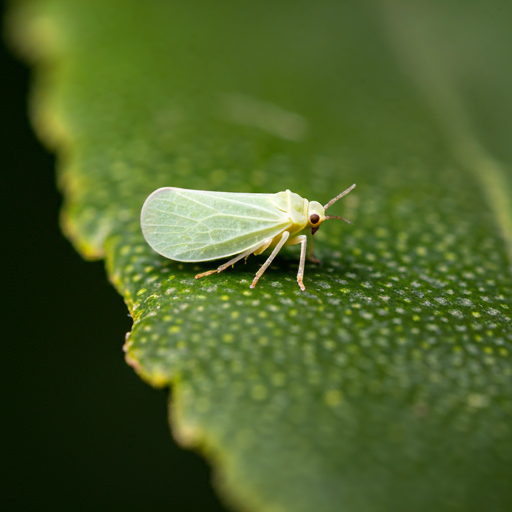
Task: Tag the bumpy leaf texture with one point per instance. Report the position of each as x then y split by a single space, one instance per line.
387 385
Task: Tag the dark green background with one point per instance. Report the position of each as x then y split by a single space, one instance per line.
80 429
70 447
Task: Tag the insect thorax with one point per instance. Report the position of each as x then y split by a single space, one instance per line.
295 206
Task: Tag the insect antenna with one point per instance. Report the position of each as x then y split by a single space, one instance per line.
332 201
337 217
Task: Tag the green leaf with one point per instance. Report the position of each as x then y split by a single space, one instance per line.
387 385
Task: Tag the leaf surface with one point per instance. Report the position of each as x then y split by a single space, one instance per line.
387 385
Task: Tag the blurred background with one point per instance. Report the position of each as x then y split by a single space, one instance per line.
80 429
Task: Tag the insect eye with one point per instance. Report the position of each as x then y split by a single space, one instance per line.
314 219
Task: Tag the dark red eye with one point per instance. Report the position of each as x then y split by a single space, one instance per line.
314 219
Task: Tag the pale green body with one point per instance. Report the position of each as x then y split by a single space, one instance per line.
195 225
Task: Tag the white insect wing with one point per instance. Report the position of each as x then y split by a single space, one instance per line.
195 225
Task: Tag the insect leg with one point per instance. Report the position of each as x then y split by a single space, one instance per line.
265 265
303 241
261 248
310 251
207 273
244 254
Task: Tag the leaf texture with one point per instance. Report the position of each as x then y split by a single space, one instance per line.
387 385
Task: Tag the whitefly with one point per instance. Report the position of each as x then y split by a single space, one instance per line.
197 225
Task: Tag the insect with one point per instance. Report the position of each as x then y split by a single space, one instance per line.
196 225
